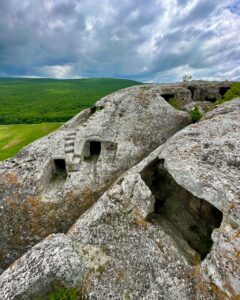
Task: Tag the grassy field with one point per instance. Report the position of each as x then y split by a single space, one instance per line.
15 137
31 101
37 102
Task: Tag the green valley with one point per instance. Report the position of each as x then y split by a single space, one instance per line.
32 108
30 101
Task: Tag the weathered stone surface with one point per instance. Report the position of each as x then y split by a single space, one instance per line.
204 159
51 182
202 105
207 91
130 244
194 91
52 261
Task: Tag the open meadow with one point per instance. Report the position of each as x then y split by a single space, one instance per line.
15 137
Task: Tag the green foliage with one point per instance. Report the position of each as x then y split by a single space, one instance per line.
101 269
186 78
30 101
127 296
61 294
195 114
64 294
15 137
233 92
175 102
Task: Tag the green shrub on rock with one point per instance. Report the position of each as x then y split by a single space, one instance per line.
61 294
232 93
175 102
196 114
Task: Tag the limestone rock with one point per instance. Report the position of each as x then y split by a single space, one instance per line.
166 229
194 91
207 91
51 182
52 261
204 159
202 105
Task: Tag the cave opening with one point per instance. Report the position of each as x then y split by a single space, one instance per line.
223 90
192 90
95 148
92 150
191 217
60 167
210 99
167 96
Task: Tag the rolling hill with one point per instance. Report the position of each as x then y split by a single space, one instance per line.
32 108
30 101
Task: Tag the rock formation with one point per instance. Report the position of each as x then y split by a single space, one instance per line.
50 183
167 228
194 92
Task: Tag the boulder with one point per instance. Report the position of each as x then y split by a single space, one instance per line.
53 261
50 183
166 229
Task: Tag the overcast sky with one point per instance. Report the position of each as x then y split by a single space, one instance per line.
145 40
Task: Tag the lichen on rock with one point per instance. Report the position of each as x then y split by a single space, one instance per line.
166 228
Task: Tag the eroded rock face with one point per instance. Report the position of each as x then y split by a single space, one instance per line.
204 106
204 159
194 93
53 261
51 182
136 241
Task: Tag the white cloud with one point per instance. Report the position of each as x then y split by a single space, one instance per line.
63 71
148 40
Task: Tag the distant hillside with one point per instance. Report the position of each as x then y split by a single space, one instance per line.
50 100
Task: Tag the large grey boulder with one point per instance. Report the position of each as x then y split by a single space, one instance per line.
205 159
166 229
51 182
53 261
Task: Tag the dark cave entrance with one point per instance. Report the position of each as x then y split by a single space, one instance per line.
92 150
60 167
167 96
95 148
210 99
223 90
192 217
192 90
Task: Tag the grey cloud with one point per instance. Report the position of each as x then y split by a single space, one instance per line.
139 39
200 11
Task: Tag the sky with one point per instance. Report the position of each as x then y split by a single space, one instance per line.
144 40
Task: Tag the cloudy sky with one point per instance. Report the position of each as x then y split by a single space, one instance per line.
145 40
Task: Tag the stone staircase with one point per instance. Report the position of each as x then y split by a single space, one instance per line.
72 158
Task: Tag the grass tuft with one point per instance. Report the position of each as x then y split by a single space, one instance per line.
175 102
61 294
195 115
